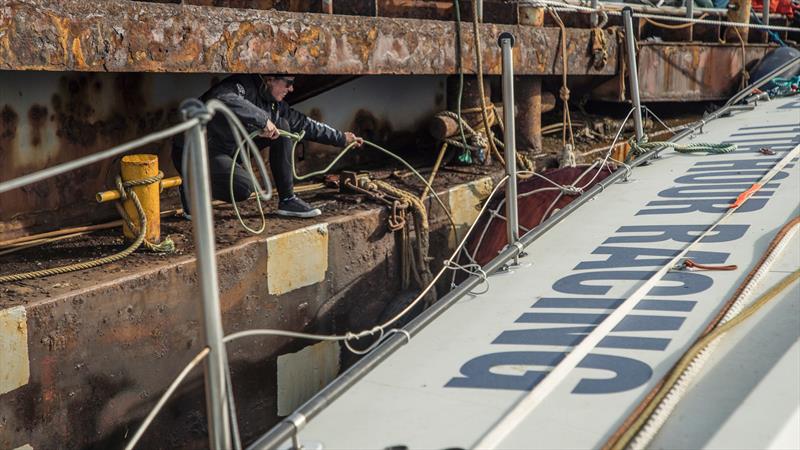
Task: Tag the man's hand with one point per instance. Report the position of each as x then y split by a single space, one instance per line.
270 131
351 138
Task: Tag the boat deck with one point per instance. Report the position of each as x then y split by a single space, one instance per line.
458 376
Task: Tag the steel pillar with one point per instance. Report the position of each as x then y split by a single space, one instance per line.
633 73
506 43
203 225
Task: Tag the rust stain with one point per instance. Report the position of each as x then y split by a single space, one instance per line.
670 72
8 127
37 119
77 53
65 129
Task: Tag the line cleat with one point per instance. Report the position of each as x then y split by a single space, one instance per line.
294 206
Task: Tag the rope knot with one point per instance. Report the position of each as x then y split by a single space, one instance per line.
564 93
571 190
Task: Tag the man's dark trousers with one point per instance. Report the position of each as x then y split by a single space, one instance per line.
220 162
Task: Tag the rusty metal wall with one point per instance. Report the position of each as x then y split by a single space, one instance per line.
120 36
685 72
48 118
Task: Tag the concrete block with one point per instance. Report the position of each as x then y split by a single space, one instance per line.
15 366
296 259
304 373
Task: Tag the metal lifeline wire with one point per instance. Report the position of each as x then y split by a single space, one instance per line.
568 189
586 9
346 338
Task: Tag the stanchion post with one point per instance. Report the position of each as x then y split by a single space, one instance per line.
633 72
506 42
203 225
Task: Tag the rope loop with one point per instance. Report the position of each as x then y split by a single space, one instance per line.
401 331
123 193
356 336
470 269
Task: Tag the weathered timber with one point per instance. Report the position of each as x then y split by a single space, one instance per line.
124 36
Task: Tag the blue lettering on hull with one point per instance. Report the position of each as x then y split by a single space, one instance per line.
708 187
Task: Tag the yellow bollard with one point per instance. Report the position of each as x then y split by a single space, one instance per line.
137 167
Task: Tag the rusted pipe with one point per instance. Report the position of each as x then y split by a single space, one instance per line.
741 14
529 112
531 15
443 127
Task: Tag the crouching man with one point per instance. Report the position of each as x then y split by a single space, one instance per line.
258 101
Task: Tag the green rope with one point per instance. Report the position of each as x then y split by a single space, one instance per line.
639 148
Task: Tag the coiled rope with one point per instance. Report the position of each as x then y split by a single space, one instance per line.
639 148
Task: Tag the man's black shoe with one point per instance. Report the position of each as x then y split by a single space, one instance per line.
295 207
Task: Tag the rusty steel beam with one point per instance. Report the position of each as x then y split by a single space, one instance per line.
124 36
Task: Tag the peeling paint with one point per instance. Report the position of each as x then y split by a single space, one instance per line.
465 200
304 373
25 447
14 370
69 35
296 259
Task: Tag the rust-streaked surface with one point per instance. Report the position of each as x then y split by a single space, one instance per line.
47 118
118 35
50 118
684 71
104 344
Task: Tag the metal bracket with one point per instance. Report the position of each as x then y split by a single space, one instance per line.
350 180
193 108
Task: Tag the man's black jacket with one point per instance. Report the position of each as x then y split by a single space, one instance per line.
249 99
